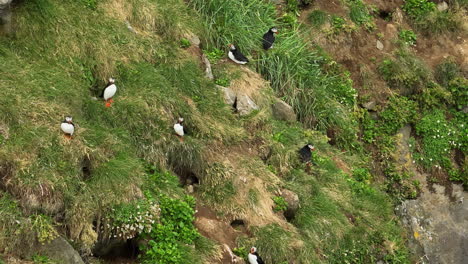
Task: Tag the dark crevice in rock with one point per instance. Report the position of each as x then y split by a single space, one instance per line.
116 249
385 14
187 177
86 168
236 223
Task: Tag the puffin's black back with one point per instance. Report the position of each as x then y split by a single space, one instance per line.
239 56
305 153
259 259
102 91
268 39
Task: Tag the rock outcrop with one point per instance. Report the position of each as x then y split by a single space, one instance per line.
60 250
229 95
283 111
293 203
245 105
5 16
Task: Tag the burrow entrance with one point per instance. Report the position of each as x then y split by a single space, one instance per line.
385 15
118 251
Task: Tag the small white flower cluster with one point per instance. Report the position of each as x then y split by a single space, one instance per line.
140 222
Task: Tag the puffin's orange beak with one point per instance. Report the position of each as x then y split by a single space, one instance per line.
276 32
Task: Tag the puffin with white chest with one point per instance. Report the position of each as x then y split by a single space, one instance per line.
235 55
109 92
68 127
269 38
179 129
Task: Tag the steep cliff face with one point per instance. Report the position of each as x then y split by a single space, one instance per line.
341 77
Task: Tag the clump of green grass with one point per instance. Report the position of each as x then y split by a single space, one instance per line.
427 18
439 137
360 14
446 72
318 18
398 112
405 73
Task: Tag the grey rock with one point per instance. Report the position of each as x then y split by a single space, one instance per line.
442 6
60 250
208 72
228 94
245 105
194 40
380 45
370 105
283 111
293 203
190 189
5 16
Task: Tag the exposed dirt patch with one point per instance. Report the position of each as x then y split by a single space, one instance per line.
388 5
341 164
209 225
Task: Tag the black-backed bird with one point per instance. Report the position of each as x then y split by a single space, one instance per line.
235 55
179 128
68 127
109 92
269 38
306 153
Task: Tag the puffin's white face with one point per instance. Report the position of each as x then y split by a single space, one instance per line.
68 119
180 120
311 147
274 30
253 250
111 80
232 47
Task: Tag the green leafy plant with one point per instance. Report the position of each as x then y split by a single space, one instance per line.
418 9
175 228
439 136
185 43
40 259
280 204
42 226
225 82
338 23
459 89
408 37
362 175
241 252
290 20
128 220
399 112
214 55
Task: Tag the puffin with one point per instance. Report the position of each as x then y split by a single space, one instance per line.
235 55
306 153
109 92
179 128
254 258
269 38
68 127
